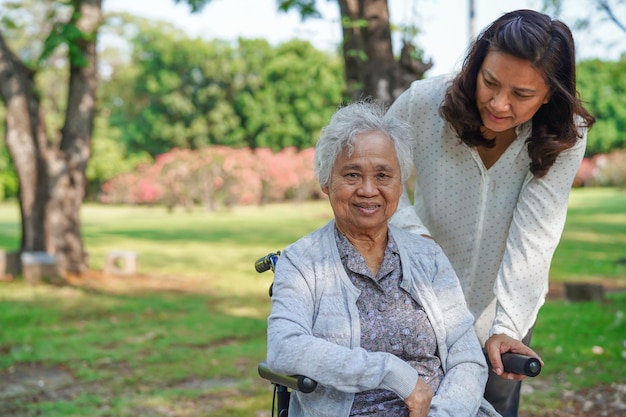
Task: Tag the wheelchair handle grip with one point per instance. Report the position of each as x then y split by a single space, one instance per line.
519 364
295 382
267 262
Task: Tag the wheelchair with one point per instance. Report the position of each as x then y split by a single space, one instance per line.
285 384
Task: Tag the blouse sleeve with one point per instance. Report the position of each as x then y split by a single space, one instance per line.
522 282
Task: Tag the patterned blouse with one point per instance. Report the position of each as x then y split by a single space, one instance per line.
391 321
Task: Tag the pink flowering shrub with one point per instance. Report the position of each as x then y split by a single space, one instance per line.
137 187
607 170
217 176
611 169
287 175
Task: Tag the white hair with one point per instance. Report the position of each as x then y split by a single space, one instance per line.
347 124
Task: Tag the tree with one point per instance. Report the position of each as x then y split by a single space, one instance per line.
607 12
602 86
51 167
51 173
371 70
175 91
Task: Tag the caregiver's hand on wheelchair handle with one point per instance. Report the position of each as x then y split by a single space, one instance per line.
498 344
419 400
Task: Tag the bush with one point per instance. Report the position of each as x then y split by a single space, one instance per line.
217 176
604 170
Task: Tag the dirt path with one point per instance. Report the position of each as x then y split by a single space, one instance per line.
599 401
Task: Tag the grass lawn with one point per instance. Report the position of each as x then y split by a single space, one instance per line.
184 337
593 242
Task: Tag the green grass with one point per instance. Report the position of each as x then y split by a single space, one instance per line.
196 242
186 341
189 350
593 242
582 344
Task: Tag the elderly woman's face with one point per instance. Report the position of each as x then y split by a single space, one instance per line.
365 188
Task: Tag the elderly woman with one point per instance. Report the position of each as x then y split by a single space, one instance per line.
373 313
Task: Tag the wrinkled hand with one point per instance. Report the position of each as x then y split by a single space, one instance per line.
498 344
419 400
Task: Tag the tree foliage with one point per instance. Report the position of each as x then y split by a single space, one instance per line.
602 87
189 93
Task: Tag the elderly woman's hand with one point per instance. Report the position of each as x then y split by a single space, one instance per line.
419 400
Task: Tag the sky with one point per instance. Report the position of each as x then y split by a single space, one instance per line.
444 24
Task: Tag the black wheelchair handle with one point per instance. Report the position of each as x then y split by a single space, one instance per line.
295 382
267 262
519 364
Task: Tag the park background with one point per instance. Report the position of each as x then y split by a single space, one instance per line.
201 163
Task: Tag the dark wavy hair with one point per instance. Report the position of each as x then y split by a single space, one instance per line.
549 46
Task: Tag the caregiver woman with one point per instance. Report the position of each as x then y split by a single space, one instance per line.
497 147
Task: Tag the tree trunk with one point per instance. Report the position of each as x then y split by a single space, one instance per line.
52 176
371 69
353 48
27 144
69 182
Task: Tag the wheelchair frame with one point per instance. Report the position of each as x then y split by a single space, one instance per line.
283 384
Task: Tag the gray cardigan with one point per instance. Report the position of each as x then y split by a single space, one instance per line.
314 329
